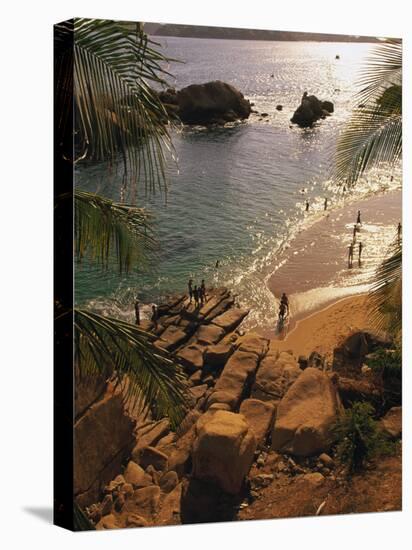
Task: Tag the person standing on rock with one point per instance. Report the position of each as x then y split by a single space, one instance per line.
203 291
137 312
196 296
355 229
189 285
399 232
325 203
154 316
307 206
358 220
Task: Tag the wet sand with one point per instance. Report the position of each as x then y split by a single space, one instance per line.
314 271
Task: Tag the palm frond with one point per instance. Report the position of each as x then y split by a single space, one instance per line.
118 114
373 136
148 376
374 133
385 297
105 229
382 70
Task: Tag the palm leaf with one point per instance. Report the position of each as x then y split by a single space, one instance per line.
382 70
118 114
385 297
105 229
149 378
374 133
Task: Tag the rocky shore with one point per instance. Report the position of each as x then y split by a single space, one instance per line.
259 418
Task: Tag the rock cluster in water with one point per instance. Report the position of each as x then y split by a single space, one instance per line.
311 110
204 104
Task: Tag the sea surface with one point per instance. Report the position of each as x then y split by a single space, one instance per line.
237 193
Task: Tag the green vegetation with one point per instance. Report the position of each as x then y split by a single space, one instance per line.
359 438
387 368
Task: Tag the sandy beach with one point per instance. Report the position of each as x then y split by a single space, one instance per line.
326 329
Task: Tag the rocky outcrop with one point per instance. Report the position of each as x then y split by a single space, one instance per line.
275 376
311 110
236 378
391 423
223 450
103 438
306 415
209 103
259 415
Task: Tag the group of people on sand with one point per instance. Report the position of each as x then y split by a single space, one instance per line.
197 293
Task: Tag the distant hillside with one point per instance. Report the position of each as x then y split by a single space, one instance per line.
193 31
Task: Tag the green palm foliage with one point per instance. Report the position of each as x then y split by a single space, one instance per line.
149 378
373 137
104 228
118 117
118 114
374 133
386 293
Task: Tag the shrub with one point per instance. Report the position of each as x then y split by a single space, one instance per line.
358 437
387 367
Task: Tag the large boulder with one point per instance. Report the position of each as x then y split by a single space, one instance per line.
237 376
223 450
209 334
212 102
253 343
217 355
103 438
391 423
259 415
229 320
306 415
191 357
275 376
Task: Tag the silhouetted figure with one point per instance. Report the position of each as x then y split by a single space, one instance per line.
358 220
360 252
355 229
154 316
189 285
391 178
196 296
217 264
304 97
282 313
326 203
203 291
307 206
350 255
344 189
399 231
285 300
137 312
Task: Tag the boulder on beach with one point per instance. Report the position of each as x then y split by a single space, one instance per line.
210 103
306 415
310 110
223 450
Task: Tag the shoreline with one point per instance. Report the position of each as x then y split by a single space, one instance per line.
313 270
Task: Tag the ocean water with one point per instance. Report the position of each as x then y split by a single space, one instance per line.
237 192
